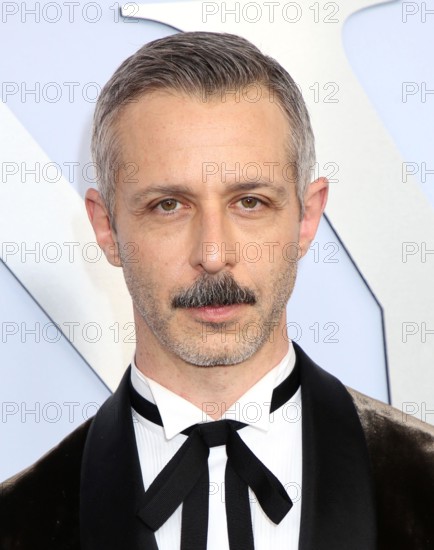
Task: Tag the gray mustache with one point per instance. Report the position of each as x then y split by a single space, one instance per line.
212 291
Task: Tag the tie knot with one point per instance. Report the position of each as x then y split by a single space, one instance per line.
214 433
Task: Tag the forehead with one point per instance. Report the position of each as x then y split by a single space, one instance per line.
171 118
171 137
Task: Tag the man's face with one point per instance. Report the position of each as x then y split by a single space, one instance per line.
208 201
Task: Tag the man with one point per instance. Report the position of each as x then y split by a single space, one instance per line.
204 147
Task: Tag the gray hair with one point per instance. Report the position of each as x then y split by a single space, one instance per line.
201 64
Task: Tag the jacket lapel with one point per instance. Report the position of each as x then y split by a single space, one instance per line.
338 504
111 480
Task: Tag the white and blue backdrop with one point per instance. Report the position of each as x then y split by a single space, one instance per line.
363 306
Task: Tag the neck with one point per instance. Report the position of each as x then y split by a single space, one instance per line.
219 386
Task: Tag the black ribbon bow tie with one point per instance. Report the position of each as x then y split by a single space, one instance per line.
185 479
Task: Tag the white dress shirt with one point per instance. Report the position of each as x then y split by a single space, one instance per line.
274 438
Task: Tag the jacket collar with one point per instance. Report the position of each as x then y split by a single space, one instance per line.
338 503
111 480
337 495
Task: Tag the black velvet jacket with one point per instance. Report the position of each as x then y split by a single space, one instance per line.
368 479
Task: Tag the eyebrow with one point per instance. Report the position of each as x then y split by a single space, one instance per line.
280 190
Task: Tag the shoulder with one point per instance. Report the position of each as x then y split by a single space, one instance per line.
406 432
401 450
41 502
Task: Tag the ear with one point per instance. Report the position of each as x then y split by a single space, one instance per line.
100 221
315 200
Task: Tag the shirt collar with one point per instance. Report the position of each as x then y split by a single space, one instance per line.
252 408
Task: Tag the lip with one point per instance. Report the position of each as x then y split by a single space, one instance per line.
216 314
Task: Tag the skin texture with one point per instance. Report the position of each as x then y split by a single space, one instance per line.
207 214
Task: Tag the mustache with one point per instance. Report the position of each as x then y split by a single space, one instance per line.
211 291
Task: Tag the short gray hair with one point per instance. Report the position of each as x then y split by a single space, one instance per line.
201 64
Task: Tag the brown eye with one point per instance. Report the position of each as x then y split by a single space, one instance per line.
249 202
168 205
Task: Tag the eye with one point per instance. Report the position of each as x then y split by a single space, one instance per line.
249 203
167 205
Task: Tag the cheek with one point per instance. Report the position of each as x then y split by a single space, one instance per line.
158 265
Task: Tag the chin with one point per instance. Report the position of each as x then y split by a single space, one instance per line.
216 358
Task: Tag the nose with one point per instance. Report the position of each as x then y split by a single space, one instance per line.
214 247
